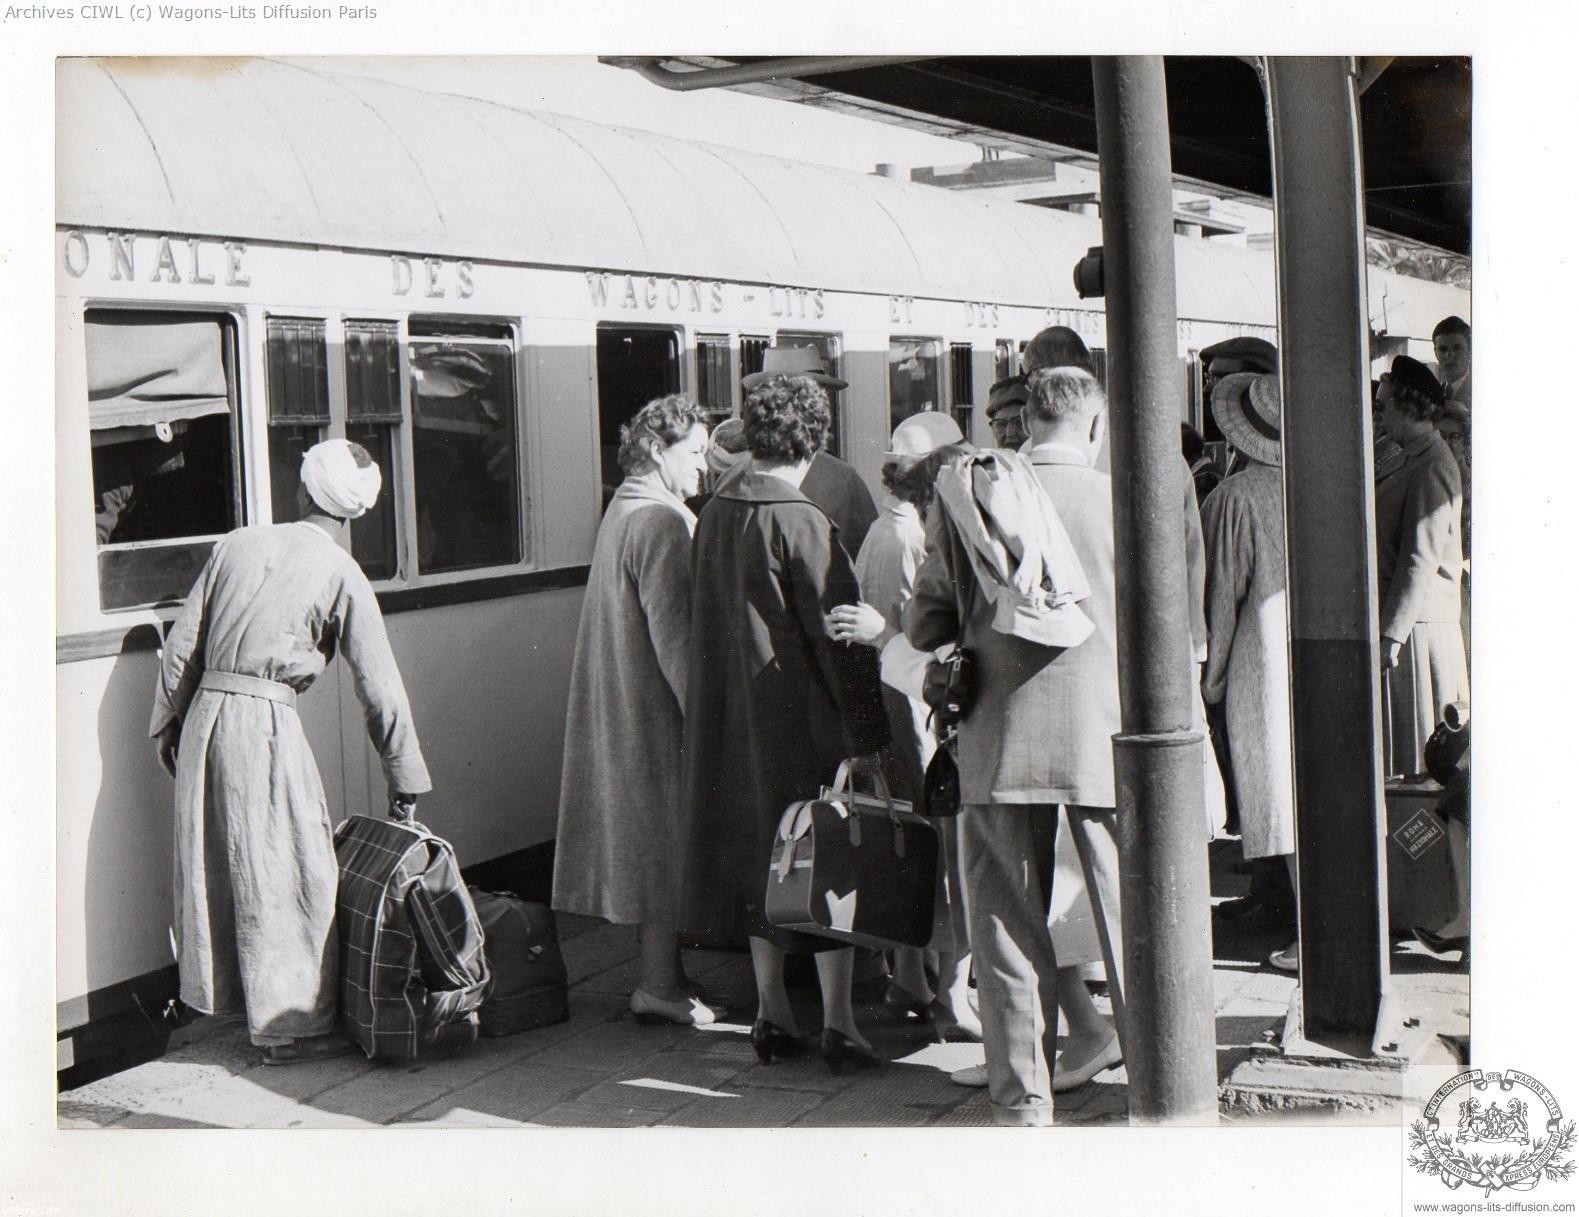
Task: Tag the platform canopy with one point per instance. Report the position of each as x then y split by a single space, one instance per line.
1414 117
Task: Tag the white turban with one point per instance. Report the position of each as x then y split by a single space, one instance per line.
336 482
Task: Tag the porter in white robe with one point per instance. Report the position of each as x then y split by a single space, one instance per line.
255 864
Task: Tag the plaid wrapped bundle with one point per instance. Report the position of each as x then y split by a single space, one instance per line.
412 970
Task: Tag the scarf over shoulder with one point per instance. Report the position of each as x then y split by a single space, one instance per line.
1021 554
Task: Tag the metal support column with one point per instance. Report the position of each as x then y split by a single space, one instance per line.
1328 505
1170 1045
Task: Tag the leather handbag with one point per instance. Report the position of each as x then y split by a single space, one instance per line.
528 987
858 868
940 784
948 687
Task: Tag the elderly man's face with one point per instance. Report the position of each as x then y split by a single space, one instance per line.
1008 428
1452 356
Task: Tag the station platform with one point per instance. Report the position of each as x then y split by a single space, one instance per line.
602 1069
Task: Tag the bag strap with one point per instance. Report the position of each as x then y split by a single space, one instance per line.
436 941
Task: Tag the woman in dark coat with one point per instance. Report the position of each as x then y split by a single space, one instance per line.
772 703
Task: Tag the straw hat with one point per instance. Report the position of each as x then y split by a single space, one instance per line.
1249 412
793 361
923 433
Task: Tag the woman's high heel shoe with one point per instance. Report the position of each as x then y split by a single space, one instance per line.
839 1050
769 1041
945 1026
903 1005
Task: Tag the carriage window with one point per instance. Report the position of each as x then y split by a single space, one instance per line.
466 470
1005 359
1099 366
912 377
1192 388
634 366
372 403
161 400
828 347
961 387
713 385
751 349
297 355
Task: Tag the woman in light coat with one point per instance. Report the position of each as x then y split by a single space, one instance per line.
1419 560
617 856
1247 619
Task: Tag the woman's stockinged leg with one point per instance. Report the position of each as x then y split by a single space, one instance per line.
835 970
773 1003
662 974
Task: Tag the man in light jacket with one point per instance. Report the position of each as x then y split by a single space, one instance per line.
1038 736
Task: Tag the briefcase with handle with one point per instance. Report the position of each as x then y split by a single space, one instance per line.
860 868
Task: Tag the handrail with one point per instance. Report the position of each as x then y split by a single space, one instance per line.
753 73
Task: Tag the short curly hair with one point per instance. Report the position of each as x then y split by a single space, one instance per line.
908 480
787 419
666 419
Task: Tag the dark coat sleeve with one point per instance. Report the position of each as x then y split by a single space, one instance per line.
820 578
932 616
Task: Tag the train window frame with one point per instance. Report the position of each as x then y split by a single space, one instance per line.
1005 358
939 373
724 342
961 390
678 336
276 480
833 360
505 334
233 330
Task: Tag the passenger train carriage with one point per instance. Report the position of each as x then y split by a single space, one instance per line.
252 256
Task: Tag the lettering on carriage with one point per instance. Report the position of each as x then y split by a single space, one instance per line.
980 316
1084 322
169 267
899 308
798 303
648 293
436 272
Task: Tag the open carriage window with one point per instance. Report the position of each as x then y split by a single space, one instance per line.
166 462
466 468
912 378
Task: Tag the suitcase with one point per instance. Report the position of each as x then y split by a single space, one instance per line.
1419 877
858 868
412 968
528 988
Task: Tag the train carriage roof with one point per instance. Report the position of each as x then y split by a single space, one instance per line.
262 150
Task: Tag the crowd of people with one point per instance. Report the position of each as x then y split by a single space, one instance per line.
753 619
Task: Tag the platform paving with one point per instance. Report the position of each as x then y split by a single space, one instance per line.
601 1069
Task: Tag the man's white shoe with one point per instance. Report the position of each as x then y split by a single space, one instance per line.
1067 1076
974 1076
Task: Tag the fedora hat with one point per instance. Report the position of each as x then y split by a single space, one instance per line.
793 361
1249 412
923 433
1253 354
1411 374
